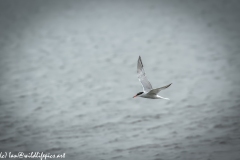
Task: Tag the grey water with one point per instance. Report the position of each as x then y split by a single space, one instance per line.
68 75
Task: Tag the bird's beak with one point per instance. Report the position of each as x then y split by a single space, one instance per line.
134 96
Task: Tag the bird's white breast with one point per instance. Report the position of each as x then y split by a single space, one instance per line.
152 96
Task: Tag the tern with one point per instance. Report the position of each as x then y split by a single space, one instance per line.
148 91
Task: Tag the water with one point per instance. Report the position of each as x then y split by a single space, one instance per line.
68 74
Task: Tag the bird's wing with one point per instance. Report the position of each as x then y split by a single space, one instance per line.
142 76
157 90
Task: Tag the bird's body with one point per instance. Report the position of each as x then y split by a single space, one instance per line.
152 96
148 91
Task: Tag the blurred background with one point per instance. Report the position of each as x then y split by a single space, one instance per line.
68 75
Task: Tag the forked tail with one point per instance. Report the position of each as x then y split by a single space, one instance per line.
162 97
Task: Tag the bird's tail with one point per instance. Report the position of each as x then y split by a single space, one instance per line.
163 98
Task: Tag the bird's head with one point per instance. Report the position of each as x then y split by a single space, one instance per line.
138 94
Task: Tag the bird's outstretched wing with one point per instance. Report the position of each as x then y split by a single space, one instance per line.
157 90
142 76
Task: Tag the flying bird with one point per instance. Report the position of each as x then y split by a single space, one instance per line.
148 91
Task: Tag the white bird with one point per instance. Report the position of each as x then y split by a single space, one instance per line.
148 91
